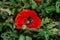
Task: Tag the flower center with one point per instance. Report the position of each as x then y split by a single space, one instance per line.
28 20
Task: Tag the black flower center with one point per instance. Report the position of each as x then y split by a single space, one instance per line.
28 20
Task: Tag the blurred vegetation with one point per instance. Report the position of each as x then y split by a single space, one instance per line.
47 10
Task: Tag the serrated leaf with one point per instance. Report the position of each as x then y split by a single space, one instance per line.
4 15
12 2
50 9
13 10
48 1
26 5
33 4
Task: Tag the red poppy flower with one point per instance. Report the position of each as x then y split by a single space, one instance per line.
29 18
38 1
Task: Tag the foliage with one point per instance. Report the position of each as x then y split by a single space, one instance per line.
48 10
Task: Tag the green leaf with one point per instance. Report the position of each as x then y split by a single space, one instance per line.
50 9
58 6
4 15
1 26
9 35
46 20
33 4
13 11
28 38
26 5
52 24
12 2
7 24
48 1
21 37
24 1
46 37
